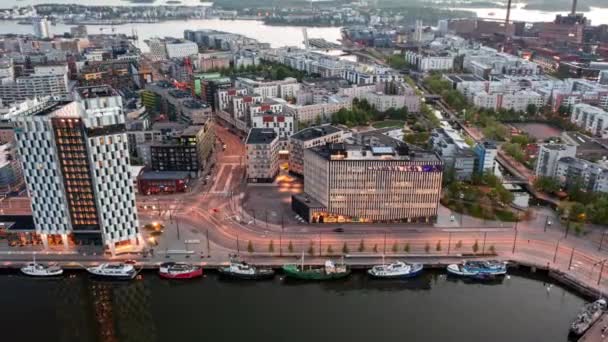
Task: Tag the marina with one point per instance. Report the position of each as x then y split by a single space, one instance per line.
425 308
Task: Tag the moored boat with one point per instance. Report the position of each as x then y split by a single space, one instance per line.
329 271
179 270
397 269
478 269
588 315
117 271
242 270
35 269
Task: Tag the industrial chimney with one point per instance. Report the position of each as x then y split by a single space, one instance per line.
573 12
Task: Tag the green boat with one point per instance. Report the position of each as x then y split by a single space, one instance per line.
329 271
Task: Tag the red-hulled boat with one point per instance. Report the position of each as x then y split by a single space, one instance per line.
179 270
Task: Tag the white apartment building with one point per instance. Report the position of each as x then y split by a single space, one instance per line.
383 102
590 118
426 62
262 155
76 166
320 111
42 27
283 89
283 125
549 155
517 101
181 49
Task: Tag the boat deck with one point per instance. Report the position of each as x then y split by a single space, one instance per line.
594 334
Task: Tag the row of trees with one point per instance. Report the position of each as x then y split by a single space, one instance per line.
395 248
268 70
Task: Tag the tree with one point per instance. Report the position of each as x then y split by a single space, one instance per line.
361 246
492 250
345 249
375 248
395 248
311 248
330 250
406 248
250 247
531 109
547 184
459 244
427 247
271 246
475 247
290 247
438 246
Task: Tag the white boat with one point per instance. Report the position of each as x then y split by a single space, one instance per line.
397 269
35 269
118 271
588 315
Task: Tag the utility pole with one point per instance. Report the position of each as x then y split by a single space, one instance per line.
602 241
546 223
514 240
238 249
571 257
177 227
449 242
555 254
208 245
320 244
599 279
384 243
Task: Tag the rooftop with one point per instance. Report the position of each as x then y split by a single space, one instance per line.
164 175
96 91
342 151
315 132
261 136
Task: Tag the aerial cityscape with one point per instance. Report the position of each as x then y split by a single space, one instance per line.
305 169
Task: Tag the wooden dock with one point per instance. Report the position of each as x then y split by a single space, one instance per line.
595 333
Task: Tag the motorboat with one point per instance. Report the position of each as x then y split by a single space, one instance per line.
179 270
589 314
397 269
478 269
118 271
242 270
329 271
35 269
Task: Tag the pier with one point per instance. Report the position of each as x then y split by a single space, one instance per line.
598 331
321 43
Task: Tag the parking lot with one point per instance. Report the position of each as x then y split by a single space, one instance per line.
272 202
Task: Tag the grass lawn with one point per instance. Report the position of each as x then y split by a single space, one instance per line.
388 123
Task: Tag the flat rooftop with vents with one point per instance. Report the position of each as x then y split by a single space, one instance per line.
261 136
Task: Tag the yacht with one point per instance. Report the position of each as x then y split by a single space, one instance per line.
397 269
118 271
35 269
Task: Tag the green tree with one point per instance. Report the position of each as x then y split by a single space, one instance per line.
406 247
547 184
271 246
345 249
375 248
492 250
250 247
361 246
330 250
290 247
311 248
531 109
438 246
395 248
459 244
475 247
427 247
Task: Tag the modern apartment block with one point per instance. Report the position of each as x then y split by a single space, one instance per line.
42 81
485 156
590 118
189 150
581 173
549 155
355 183
311 137
262 155
76 166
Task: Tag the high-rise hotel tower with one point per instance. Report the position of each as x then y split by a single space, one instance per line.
76 166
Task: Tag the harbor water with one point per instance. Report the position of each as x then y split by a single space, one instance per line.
432 307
